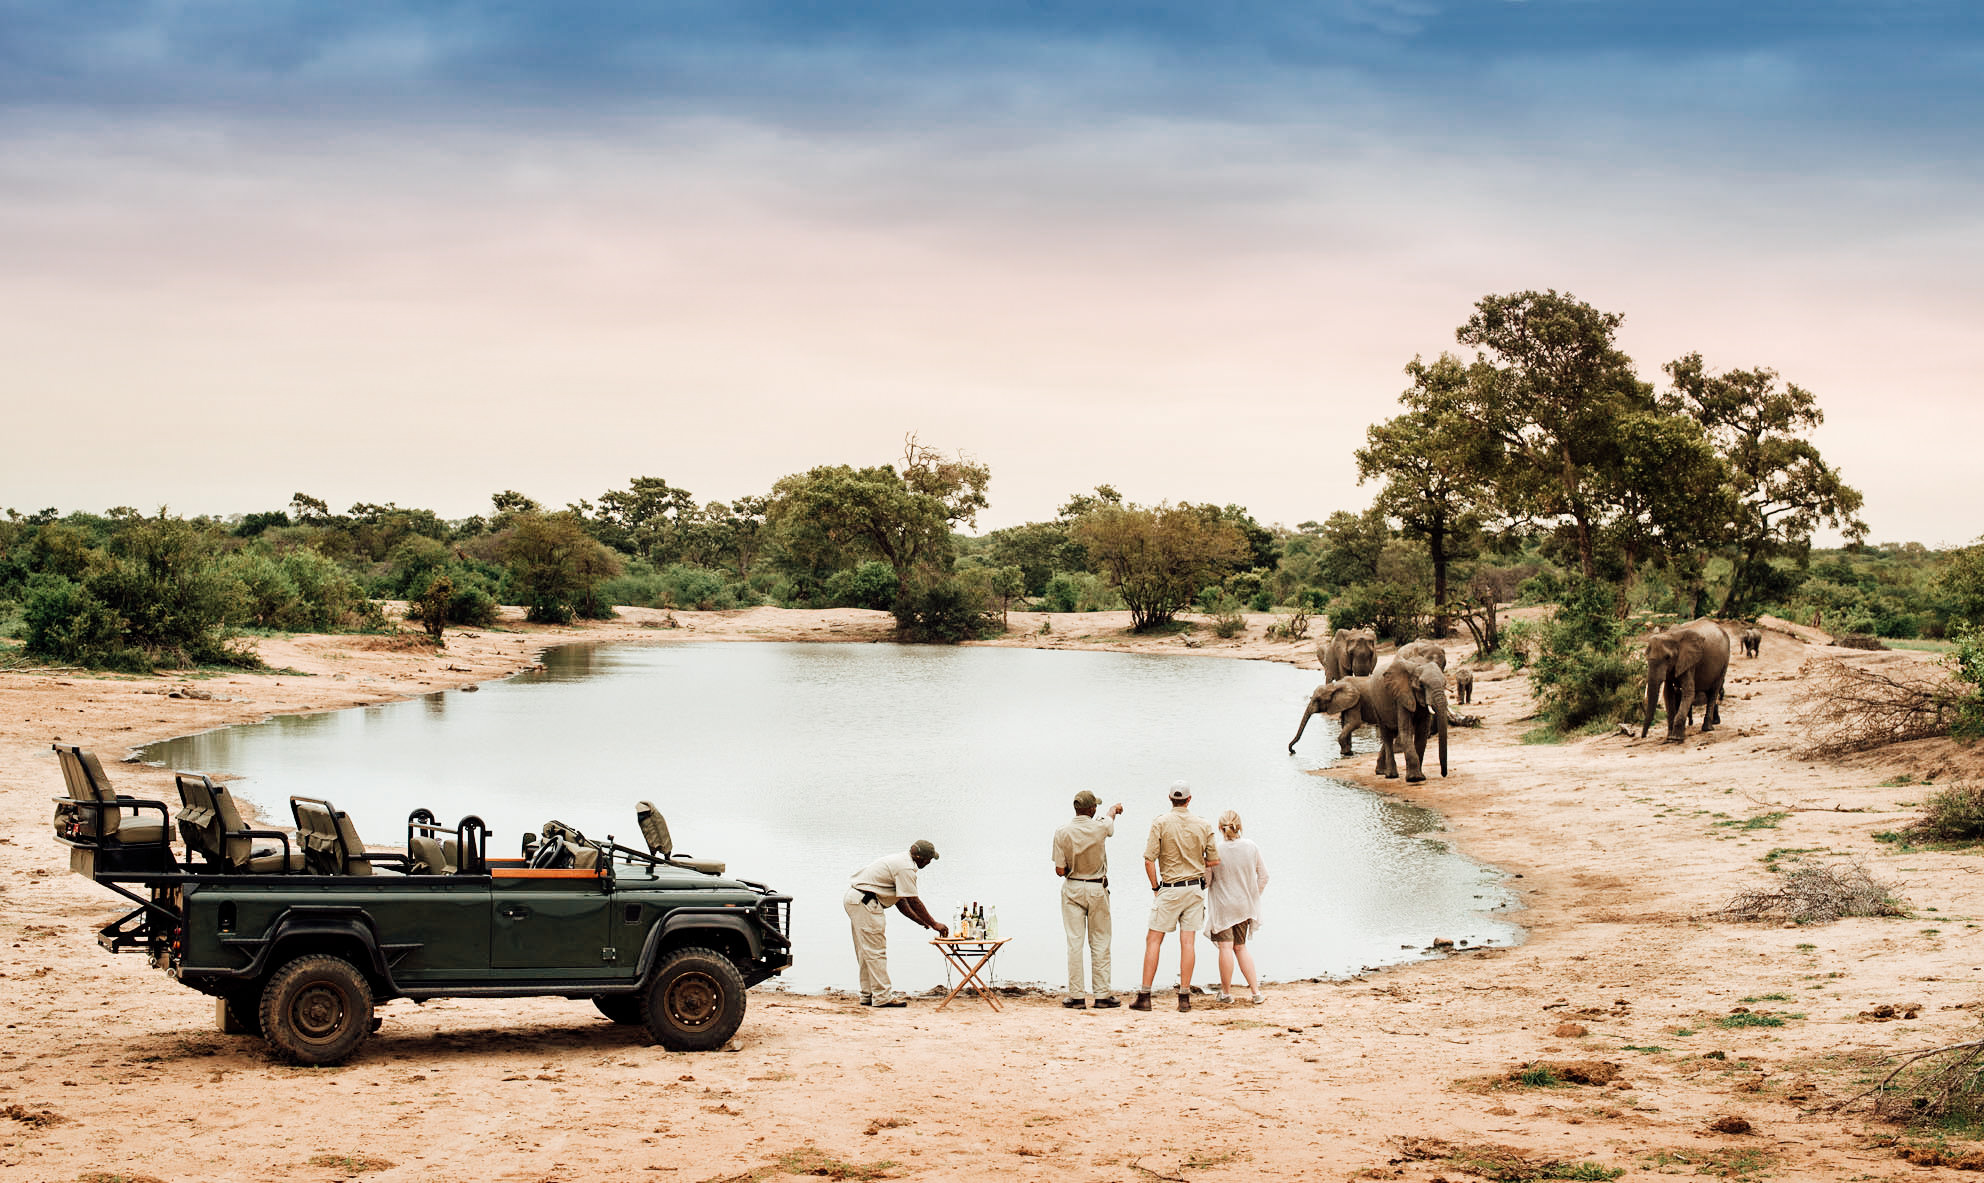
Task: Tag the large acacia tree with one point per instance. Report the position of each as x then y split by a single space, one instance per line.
1158 558
1782 489
904 517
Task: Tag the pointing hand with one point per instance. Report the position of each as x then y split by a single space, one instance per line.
1116 809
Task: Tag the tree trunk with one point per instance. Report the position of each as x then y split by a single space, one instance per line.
1436 545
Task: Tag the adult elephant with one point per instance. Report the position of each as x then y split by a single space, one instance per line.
1350 652
1423 651
1407 703
1686 664
1343 698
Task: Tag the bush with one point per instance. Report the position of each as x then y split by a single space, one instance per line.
1954 814
1390 609
1584 671
1544 587
1227 619
65 623
870 585
1966 664
556 568
1079 591
943 612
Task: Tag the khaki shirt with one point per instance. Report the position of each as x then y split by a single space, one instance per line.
1079 850
1181 845
889 877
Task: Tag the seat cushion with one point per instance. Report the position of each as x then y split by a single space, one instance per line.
273 863
132 830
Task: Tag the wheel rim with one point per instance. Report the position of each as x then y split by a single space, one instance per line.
319 1012
693 1000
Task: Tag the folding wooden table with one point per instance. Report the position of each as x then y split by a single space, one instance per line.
970 957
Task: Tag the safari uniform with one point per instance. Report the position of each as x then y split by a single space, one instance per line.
1079 850
1181 845
870 894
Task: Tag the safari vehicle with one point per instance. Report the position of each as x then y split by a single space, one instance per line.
298 937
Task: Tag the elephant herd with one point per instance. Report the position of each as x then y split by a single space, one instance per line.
1406 702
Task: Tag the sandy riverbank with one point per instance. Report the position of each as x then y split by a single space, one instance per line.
1618 843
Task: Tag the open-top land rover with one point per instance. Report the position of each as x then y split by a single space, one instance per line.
300 935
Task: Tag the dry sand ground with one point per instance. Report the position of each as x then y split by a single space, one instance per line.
109 1067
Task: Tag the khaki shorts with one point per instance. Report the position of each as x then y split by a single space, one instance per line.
1178 909
1237 935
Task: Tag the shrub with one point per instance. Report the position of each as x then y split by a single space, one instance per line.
1544 587
1391 609
870 585
65 623
1954 815
942 612
1079 591
1966 663
1227 619
556 568
1584 671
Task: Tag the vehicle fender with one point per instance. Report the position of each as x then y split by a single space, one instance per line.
734 925
345 930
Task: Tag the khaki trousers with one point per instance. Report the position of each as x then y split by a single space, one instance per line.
871 943
1085 916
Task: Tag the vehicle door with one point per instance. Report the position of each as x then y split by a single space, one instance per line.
555 922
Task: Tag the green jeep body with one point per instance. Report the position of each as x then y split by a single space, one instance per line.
302 955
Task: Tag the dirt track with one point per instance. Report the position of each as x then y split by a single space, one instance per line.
1621 845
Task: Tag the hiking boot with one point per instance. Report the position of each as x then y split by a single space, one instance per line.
1106 1002
1184 1002
1073 1003
867 1000
892 1000
1142 1002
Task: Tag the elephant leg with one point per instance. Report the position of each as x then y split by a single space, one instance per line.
1671 698
1686 693
1346 727
1410 739
1387 765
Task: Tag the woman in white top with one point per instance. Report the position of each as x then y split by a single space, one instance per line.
1233 904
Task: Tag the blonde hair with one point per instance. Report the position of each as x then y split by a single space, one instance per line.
1229 825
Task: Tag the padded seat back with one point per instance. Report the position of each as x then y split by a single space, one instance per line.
425 857
317 833
351 846
199 819
654 828
86 780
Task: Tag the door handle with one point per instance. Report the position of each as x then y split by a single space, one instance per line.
515 911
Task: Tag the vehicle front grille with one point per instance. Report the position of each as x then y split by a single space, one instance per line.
776 914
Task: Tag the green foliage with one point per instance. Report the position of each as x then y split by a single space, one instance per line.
1967 664
1520 641
942 611
1953 816
870 585
1080 591
1158 558
556 567
1584 672
1749 1018
832 516
1394 610
430 609
1228 621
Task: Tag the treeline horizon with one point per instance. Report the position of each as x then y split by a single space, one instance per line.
1541 465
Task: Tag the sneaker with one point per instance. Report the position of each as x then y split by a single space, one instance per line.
1142 1002
1106 1002
1258 998
1073 1003
1184 1002
1224 998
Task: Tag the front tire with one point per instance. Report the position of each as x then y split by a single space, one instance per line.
624 1009
317 1010
694 1002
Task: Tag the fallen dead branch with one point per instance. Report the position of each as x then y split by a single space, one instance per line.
1808 895
1929 1085
1846 708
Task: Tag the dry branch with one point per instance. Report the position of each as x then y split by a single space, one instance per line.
1846 708
1952 1081
1817 894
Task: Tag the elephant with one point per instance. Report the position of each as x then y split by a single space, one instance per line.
1753 641
1342 698
1350 652
1423 651
1407 703
1687 663
1463 685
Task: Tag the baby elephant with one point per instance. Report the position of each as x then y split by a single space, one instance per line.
1463 685
1753 640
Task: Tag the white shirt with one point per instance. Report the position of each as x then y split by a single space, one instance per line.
1235 891
889 877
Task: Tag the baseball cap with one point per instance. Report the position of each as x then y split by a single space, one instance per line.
1180 791
922 847
1086 800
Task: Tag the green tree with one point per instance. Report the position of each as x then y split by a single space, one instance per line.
556 566
1962 581
1782 486
1431 463
902 517
1158 558
1547 391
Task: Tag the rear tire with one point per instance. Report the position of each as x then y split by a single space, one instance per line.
317 1010
694 1002
624 1009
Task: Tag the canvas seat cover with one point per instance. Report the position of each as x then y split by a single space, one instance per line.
654 829
86 780
426 857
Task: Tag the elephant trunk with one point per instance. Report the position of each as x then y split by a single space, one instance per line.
1655 675
1440 720
1303 726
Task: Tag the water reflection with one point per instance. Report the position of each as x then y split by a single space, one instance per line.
799 764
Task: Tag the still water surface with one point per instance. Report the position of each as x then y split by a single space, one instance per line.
799 764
